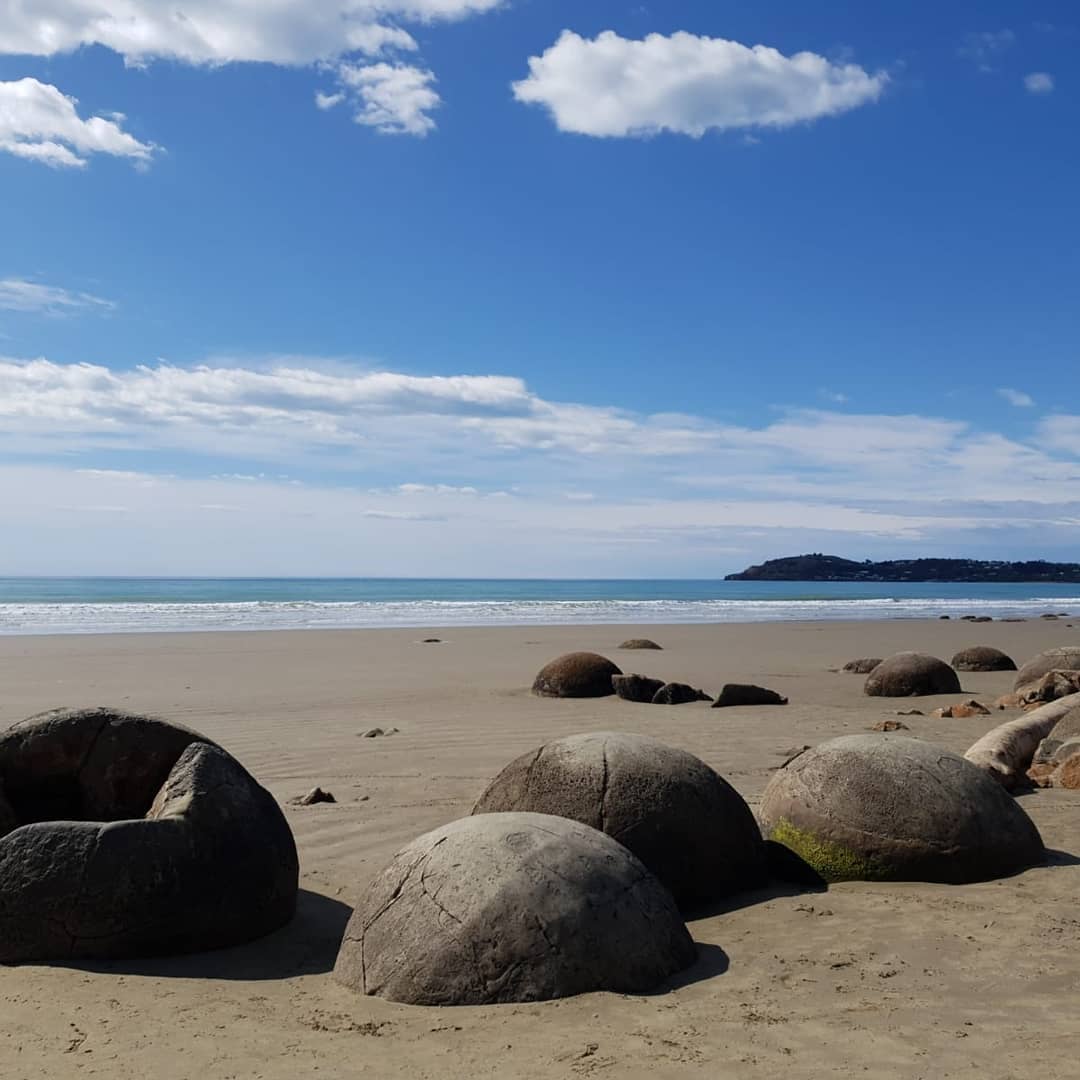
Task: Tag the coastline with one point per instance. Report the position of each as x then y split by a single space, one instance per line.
883 980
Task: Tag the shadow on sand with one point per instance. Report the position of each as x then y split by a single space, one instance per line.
307 946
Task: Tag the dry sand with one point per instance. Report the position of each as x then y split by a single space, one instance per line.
865 980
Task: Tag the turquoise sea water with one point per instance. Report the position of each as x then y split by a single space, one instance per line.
102 605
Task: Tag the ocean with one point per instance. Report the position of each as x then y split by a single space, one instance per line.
124 605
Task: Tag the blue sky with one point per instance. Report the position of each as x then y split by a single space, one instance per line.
466 287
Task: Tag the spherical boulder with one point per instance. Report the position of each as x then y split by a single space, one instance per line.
893 808
983 658
911 674
576 675
864 665
512 907
686 823
1066 658
122 835
641 643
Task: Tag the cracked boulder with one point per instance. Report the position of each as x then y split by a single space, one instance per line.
983 658
510 908
576 675
677 693
639 688
122 835
893 808
683 821
1066 658
911 674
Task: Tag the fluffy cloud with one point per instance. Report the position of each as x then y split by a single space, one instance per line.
1016 397
1039 82
613 86
39 123
221 31
31 296
394 99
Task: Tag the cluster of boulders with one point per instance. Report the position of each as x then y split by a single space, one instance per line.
124 835
590 675
1056 761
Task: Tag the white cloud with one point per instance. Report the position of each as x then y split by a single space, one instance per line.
1039 82
31 296
295 32
1016 397
614 86
39 123
984 47
394 99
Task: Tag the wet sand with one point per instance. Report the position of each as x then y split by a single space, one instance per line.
865 980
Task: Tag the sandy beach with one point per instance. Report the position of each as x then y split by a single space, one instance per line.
865 980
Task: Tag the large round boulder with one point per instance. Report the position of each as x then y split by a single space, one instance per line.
888 807
576 675
1066 658
912 674
122 835
512 907
687 824
983 658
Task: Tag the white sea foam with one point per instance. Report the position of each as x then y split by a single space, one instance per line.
142 617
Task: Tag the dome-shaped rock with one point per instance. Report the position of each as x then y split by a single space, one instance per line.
576 675
127 836
641 643
983 658
686 824
864 665
512 907
889 807
911 674
639 688
1066 658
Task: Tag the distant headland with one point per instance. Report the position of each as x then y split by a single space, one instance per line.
818 567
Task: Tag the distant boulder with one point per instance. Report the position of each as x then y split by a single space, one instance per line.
911 674
677 693
983 658
1066 658
641 643
864 665
747 694
576 675
639 688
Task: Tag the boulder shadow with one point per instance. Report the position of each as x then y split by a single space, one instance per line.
1061 858
308 945
711 963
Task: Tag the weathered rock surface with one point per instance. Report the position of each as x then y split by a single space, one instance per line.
983 658
911 674
864 665
889 807
686 823
130 836
511 908
637 688
1051 687
961 711
576 675
677 693
641 643
747 694
1066 658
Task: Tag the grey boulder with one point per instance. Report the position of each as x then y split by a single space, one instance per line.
576 675
889 807
1066 658
126 836
911 674
680 818
864 665
512 908
641 643
983 658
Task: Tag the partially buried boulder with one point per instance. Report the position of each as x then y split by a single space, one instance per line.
637 688
889 807
686 823
509 908
576 675
746 694
1066 658
641 643
864 665
128 836
912 674
677 693
983 658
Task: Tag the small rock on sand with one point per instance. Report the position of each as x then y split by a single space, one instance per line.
961 711
378 733
315 795
746 694
891 725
